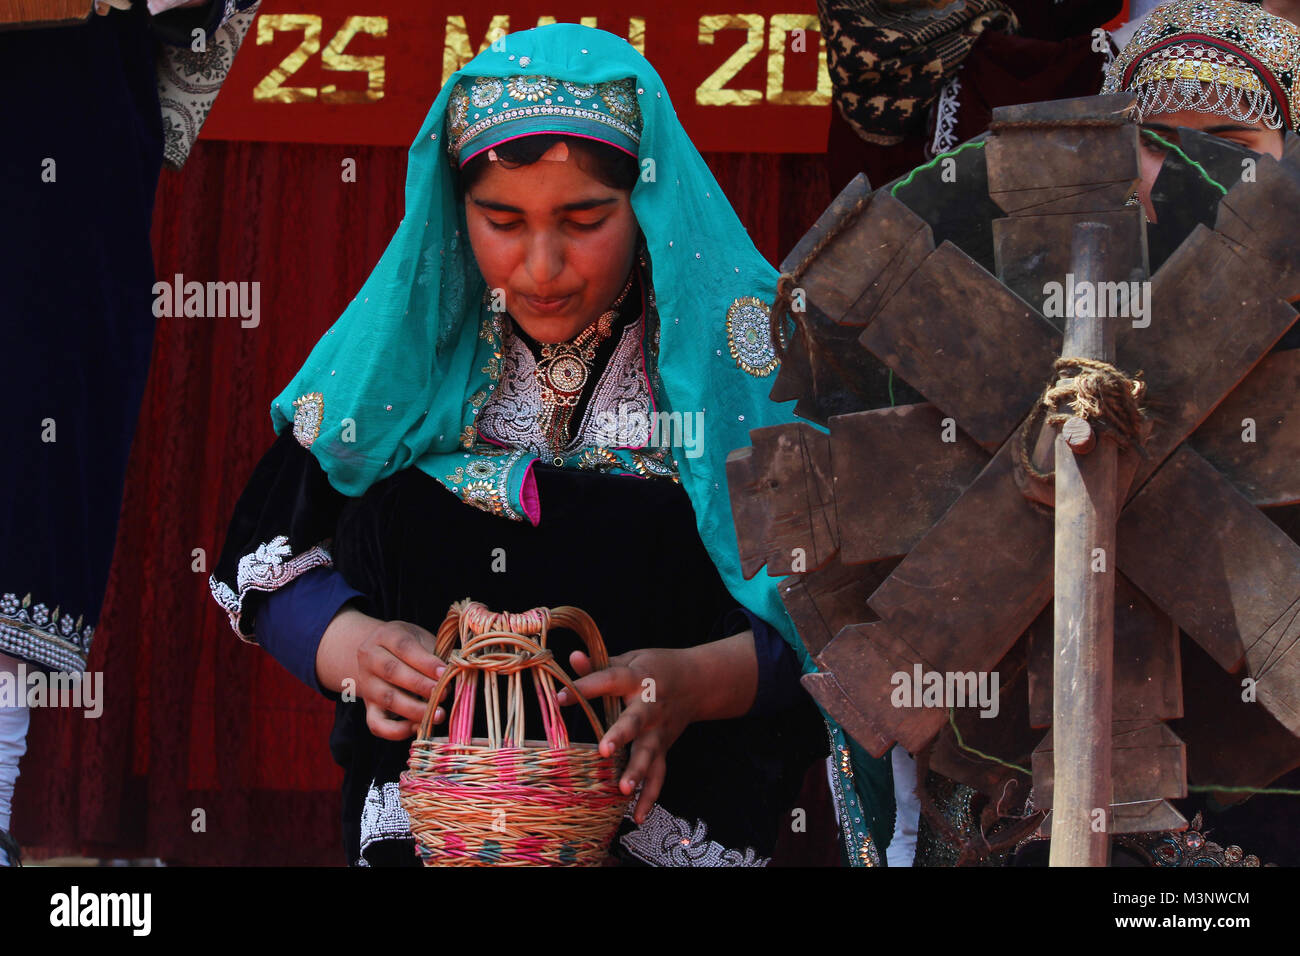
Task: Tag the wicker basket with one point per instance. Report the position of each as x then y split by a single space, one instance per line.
506 800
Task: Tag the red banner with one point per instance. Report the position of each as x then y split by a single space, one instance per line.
366 71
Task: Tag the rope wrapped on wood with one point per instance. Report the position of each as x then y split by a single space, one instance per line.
789 281
505 800
1098 393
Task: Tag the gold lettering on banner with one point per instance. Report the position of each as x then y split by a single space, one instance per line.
271 88
456 51
584 21
781 24
712 91
373 66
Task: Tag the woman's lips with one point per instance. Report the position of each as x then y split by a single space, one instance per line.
547 306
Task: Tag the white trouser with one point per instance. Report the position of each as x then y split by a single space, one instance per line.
907 815
13 744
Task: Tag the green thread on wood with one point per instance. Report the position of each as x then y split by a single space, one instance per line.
1187 159
1210 788
1201 788
980 145
952 722
931 164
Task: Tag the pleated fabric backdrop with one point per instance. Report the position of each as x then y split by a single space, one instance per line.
206 751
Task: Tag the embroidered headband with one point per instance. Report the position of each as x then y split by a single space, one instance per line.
1212 56
489 110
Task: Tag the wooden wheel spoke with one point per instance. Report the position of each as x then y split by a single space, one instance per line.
1237 742
782 499
831 374
1149 763
1202 340
864 256
1033 251
1005 738
967 343
1148 672
944 615
977 580
826 688
1259 215
884 512
823 602
863 659
1226 574
1253 437
1084 155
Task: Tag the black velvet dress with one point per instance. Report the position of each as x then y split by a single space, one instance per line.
623 549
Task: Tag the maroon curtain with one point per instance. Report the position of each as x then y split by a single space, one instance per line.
207 752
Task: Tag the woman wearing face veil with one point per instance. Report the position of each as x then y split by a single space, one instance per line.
530 402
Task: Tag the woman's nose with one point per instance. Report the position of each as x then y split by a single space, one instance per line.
545 258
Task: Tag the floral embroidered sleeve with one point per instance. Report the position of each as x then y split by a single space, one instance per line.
198 45
175 21
280 530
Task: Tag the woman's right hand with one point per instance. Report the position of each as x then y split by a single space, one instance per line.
391 665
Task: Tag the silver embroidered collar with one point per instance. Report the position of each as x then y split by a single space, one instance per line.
617 413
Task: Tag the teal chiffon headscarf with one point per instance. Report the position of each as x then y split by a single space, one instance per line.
399 379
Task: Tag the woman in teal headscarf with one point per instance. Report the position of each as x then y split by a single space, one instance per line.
569 304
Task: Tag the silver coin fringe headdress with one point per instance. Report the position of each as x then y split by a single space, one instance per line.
1212 56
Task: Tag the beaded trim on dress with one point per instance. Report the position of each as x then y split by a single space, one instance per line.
268 568
49 638
668 840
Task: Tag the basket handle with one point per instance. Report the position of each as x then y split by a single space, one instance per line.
580 622
471 616
474 625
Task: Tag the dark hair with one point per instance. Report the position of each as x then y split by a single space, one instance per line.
603 162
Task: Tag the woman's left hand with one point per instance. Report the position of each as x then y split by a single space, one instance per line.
663 692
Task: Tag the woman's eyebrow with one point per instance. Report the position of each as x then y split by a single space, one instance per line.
576 206
585 204
495 206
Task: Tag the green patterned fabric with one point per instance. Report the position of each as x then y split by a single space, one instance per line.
490 110
399 379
